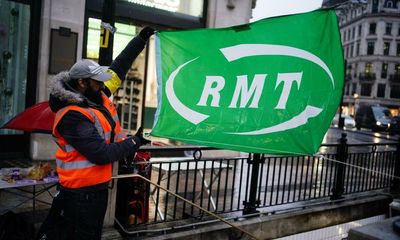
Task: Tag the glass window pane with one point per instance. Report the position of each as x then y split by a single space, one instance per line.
370 48
372 28
365 90
384 70
388 29
386 48
93 39
124 34
381 90
14 42
395 91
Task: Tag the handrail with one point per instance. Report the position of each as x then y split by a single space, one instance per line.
185 200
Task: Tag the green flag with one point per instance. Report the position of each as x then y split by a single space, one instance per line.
272 86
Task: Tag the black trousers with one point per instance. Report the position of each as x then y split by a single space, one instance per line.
75 214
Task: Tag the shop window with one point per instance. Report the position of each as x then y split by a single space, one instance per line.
381 90
366 89
386 48
370 48
395 91
372 28
14 47
388 29
384 70
123 35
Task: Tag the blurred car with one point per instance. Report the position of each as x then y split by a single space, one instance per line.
348 121
373 117
395 125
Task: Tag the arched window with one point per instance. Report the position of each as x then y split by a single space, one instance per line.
389 4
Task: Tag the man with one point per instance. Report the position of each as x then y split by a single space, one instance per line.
89 138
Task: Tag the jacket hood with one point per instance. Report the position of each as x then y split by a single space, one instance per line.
60 94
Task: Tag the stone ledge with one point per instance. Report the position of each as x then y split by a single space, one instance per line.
375 231
274 226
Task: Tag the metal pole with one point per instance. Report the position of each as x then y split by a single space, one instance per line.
107 33
341 120
251 205
395 184
146 66
338 188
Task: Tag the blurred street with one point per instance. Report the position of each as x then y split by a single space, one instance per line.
355 136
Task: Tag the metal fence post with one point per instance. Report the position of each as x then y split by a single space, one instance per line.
395 184
251 205
338 185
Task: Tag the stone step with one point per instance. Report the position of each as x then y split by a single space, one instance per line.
375 231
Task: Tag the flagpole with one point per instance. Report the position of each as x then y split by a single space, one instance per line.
107 32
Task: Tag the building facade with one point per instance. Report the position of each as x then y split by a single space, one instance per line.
371 45
40 38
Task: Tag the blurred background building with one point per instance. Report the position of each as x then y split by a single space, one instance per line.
39 38
370 32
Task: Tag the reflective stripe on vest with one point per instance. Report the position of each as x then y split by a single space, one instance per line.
74 165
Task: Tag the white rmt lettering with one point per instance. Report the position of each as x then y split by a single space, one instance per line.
241 89
287 79
214 92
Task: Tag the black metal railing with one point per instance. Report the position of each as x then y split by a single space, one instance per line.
227 185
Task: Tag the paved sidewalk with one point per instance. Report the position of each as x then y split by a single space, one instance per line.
376 231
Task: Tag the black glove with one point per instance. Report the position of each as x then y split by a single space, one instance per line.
139 134
146 33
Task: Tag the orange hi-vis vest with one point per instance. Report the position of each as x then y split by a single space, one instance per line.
75 170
